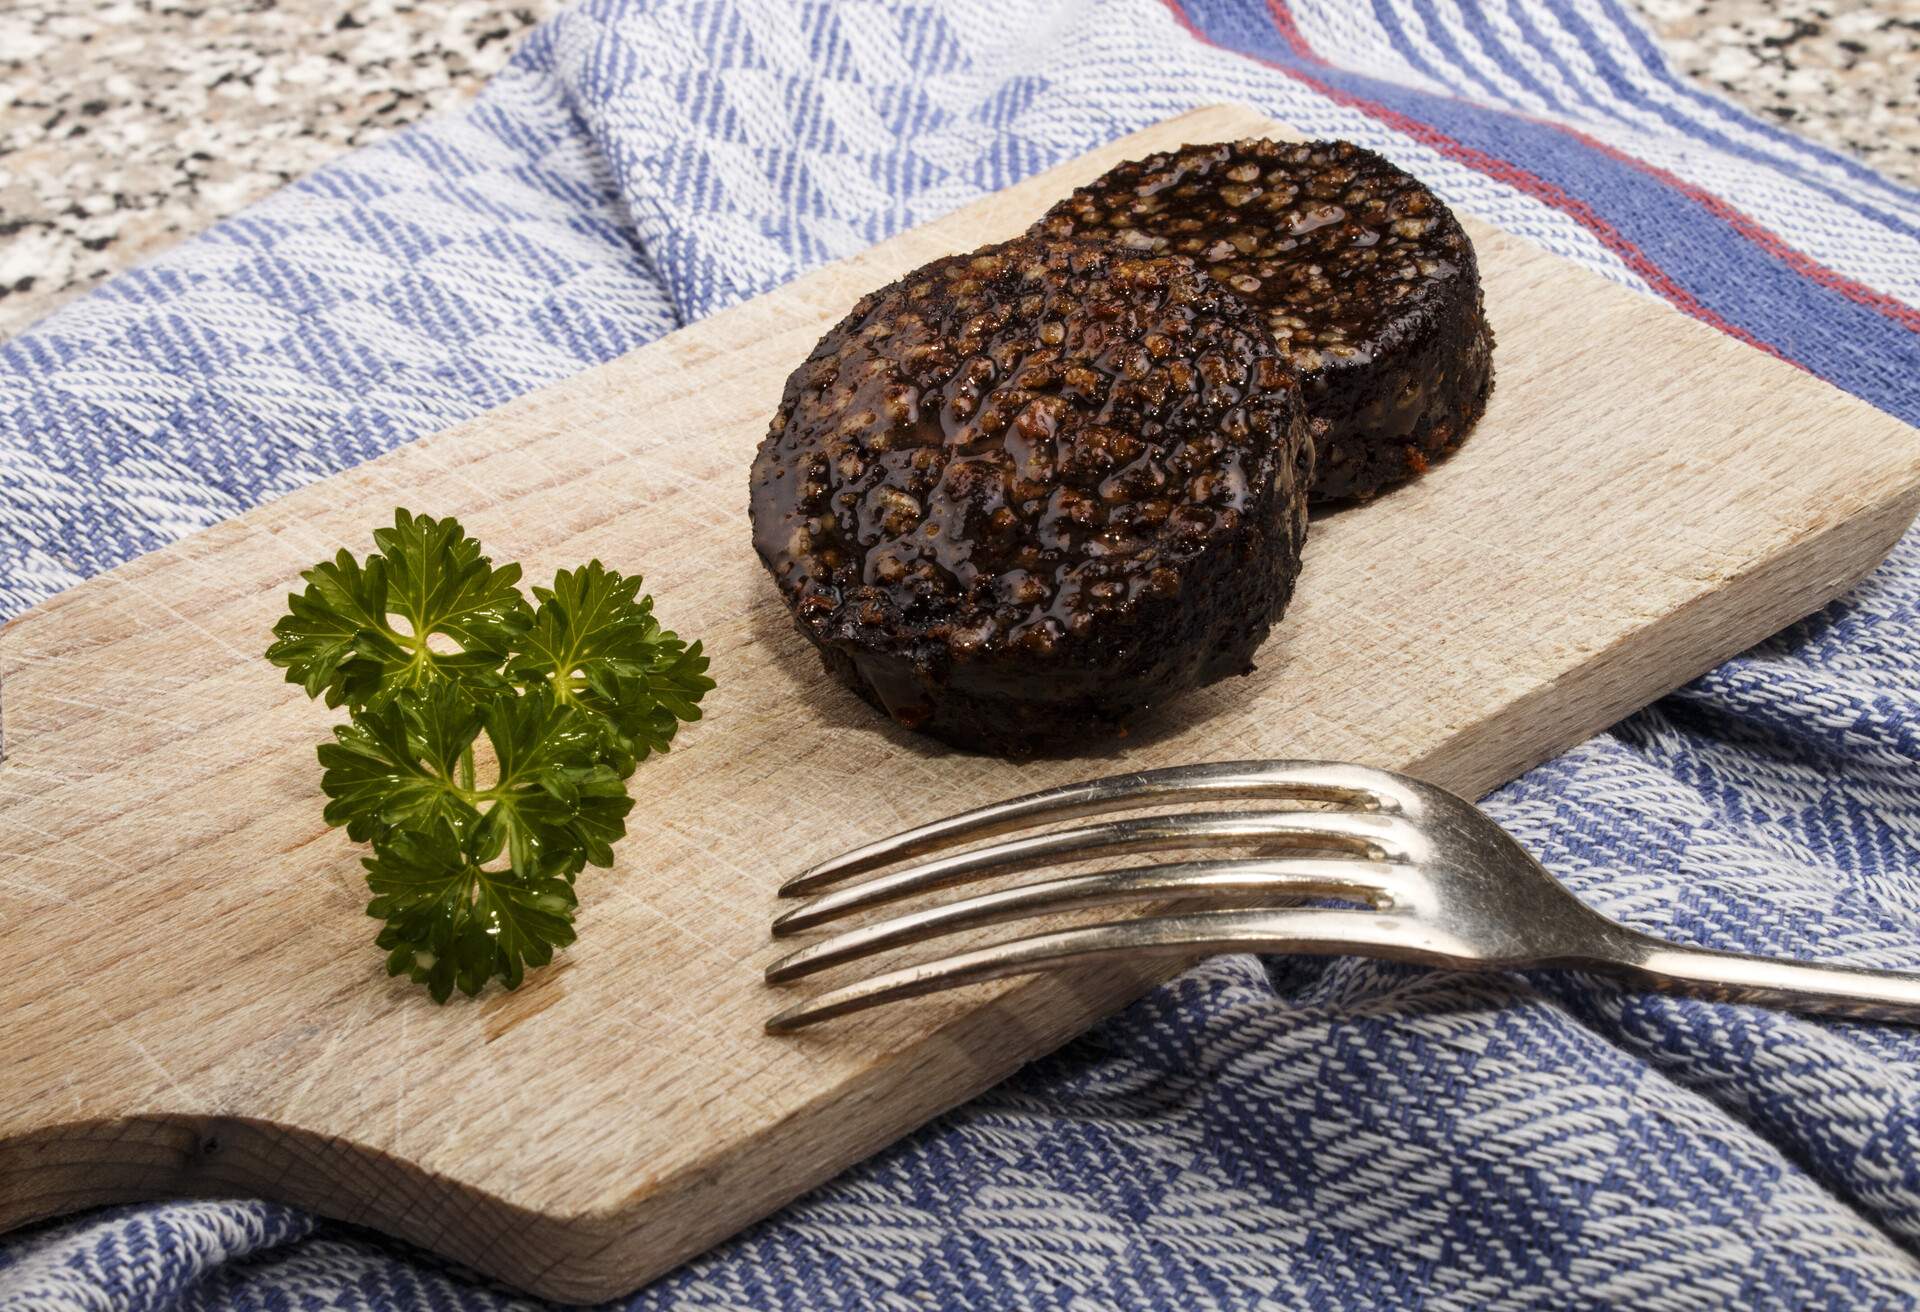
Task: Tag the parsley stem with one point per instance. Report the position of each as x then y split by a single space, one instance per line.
466 768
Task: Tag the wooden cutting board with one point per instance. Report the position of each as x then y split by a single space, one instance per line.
191 1003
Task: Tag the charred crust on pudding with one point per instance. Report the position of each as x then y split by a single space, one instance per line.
1366 280
1024 492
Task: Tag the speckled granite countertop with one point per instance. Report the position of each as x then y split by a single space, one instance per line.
1843 72
126 126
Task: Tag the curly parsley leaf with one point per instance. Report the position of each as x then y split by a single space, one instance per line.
411 765
555 804
317 637
398 765
595 643
441 583
480 728
339 638
452 923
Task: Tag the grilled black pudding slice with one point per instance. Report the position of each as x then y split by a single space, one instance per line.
1022 493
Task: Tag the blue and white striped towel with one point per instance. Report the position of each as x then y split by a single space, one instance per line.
1321 1135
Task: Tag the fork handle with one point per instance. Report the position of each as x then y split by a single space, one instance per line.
1854 991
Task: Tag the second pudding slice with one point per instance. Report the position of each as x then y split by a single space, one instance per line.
1367 281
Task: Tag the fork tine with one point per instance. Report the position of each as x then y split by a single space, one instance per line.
1199 934
1313 781
1373 882
1375 837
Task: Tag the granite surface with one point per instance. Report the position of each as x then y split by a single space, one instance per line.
1842 72
126 126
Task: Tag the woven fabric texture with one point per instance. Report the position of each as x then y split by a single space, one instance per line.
1256 1134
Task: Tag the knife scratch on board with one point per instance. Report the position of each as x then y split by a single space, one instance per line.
187 1096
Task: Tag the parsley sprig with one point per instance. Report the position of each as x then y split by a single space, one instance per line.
444 667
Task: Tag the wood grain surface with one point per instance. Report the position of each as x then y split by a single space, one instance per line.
192 1004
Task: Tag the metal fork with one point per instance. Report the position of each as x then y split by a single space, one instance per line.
1432 878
